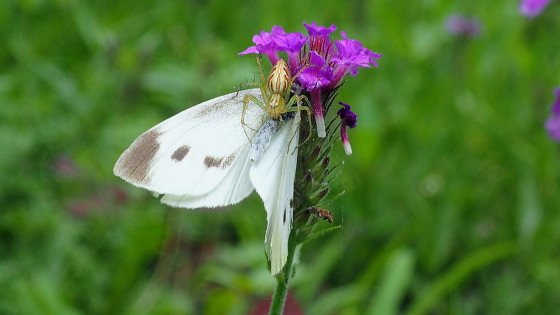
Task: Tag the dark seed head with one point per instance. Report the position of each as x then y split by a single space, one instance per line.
308 177
316 151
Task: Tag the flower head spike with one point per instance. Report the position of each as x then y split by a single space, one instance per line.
349 119
532 8
318 65
552 125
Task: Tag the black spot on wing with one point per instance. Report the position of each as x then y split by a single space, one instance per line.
211 161
284 220
180 153
227 162
219 162
134 165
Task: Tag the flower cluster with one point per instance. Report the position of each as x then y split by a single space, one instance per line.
532 8
553 123
319 63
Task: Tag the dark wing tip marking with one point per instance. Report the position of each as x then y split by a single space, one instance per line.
219 162
215 108
180 153
134 165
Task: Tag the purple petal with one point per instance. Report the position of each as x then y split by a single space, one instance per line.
351 53
317 74
556 104
314 30
277 31
250 50
532 8
265 44
350 56
552 125
290 42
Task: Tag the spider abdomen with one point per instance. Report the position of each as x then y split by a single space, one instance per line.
280 79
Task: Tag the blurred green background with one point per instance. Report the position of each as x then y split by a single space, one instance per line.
451 203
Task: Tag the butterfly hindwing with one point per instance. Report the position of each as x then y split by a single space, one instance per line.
273 176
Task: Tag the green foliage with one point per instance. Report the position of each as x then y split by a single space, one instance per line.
451 200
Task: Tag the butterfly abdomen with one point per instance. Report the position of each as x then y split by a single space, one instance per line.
262 138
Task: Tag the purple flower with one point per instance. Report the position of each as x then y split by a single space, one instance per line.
349 57
325 62
461 25
319 40
349 119
317 75
313 78
291 43
265 44
552 125
532 8
277 40
340 57
314 30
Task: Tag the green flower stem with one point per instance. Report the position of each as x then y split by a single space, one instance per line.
283 279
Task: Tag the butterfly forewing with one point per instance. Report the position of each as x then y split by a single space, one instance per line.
193 152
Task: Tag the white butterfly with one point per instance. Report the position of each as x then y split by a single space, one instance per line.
206 157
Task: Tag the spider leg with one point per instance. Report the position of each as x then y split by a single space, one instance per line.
246 100
298 100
